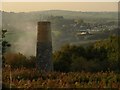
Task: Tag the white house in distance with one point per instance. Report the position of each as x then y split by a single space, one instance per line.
83 32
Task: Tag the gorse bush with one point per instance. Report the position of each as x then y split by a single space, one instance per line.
17 60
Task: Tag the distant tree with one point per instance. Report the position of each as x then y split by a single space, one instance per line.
103 55
79 21
78 64
62 59
111 47
5 45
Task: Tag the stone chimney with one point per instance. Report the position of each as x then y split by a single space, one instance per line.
44 47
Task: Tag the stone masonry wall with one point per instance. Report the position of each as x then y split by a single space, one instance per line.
44 47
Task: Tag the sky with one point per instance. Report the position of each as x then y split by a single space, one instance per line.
60 0
71 6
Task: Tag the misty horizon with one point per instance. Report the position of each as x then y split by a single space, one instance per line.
56 10
69 6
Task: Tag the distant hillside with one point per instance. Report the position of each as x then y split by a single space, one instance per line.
71 14
22 27
77 14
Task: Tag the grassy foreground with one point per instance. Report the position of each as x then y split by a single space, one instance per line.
31 78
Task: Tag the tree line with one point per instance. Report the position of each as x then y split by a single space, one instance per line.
103 55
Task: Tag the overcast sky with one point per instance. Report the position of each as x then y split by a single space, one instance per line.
73 6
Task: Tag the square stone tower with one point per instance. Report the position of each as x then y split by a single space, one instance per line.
44 47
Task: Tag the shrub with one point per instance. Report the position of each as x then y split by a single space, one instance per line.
18 60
